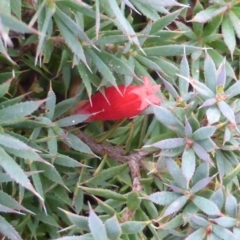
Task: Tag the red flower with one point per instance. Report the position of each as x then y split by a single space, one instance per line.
124 102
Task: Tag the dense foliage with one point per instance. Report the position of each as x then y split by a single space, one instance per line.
171 173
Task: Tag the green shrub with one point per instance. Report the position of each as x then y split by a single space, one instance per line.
172 174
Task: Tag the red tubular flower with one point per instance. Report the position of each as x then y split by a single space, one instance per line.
124 102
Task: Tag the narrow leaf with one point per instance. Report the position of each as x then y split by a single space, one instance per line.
206 205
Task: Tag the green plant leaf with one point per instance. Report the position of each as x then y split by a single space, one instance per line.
113 228
208 14
206 205
15 172
175 206
18 111
203 133
188 164
96 226
133 227
168 119
8 230
228 34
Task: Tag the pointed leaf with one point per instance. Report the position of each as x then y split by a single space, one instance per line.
175 206
176 173
188 163
169 143
206 205
163 198
210 73
221 76
201 184
227 112
113 228
213 115
133 227
18 111
208 14
184 71
96 226
201 152
168 119
203 133
15 172
228 34
8 230
233 90
197 235
223 233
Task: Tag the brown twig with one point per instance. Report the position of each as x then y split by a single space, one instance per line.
117 153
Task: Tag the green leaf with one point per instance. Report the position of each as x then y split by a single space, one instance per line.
208 14
86 77
197 235
231 205
49 11
200 87
96 226
67 161
105 193
169 143
115 64
175 206
206 205
168 119
77 144
113 228
18 111
80 222
15 24
201 152
133 201
227 112
188 164
225 221
210 73
133 227
107 174
63 106
213 115
15 172
72 120
231 175
50 103
176 173
235 22
87 236
164 21
7 230
221 77
51 173
5 87
71 40
102 68
113 10
52 142
73 26
163 198
228 34
183 71
10 202
223 233
169 50
233 90
201 184
203 133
